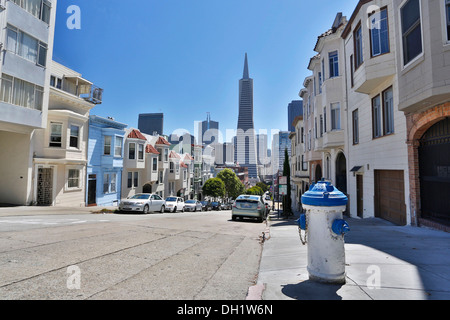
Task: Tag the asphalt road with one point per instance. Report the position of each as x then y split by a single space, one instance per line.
176 256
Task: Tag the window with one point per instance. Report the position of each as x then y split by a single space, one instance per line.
321 125
21 93
358 43
109 183
107 145
355 121
334 64
324 119
376 117
383 113
379 34
73 180
166 155
130 180
26 46
38 8
55 135
160 177
335 116
136 179
171 167
320 81
160 154
388 111
55 82
447 15
118 146
411 30
132 151
74 136
141 152
155 164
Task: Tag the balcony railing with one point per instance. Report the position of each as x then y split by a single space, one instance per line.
82 88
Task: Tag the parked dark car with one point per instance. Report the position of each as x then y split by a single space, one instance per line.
226 206
206 206
216 205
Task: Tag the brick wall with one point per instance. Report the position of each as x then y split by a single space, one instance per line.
417 125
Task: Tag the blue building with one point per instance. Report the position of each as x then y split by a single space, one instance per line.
104 161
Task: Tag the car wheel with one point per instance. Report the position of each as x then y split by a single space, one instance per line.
145 211
163 208
174 209
182 209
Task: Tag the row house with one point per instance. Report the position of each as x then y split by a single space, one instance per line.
150 166
60 149
299 167
104 161
381 124
26 40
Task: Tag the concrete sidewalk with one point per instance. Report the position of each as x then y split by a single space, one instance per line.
410 263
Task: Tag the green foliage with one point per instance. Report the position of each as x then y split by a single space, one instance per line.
255 191
233 186
214 187
287 201
263 186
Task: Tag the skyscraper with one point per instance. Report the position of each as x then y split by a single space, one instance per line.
150 123
209 131
295 108
245 147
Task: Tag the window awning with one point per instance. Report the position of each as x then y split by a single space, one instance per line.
356 169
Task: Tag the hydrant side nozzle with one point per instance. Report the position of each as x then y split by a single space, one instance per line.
340 227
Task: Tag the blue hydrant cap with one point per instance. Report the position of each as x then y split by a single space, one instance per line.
324 194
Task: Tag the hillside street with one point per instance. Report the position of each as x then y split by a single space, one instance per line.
125 256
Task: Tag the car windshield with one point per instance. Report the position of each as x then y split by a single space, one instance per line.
140 196
190 201
171 199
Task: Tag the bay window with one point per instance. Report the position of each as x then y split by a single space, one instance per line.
411 30
379 35
26 46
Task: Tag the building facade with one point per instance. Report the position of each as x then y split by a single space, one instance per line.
393 58
27 30
104 161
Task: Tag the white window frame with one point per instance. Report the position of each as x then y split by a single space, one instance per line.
335 110
105 145
61 135
78 137
419 56
19 43
134 153
79 185
118 146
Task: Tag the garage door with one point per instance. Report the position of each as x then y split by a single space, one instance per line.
390 196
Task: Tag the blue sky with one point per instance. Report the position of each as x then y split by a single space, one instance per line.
185 57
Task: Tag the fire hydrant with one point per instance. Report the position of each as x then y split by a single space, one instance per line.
326 228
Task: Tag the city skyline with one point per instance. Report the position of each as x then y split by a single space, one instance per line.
142 69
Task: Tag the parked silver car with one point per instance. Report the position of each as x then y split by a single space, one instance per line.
143 202
192 205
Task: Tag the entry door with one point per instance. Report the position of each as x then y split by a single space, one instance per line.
390 196
92 191
45 187
359 195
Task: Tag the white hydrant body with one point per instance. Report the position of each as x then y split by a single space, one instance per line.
324 206
326 252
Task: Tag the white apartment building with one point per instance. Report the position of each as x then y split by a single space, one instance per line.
60 149
378 167
395 110
27 30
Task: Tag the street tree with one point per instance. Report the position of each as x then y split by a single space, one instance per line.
214 187
287 202
233 186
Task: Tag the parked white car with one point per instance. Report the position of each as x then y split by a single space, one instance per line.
143 202
174 204
193 205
